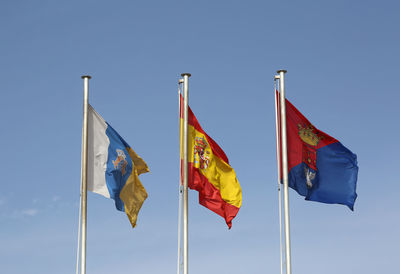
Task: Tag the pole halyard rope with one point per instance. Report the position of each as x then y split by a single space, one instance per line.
78 250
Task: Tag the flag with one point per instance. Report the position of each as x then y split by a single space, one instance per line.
320 168
113 167
209 172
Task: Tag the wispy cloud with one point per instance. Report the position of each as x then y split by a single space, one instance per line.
30 212
56 198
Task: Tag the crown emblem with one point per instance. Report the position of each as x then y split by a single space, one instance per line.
201 142
308 135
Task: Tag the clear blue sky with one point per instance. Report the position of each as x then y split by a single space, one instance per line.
342 59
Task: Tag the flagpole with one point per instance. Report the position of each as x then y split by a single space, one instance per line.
285 170
84 172
278 164
185 170
180 181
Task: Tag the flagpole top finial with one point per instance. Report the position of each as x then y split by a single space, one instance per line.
282 70
186 74
86 76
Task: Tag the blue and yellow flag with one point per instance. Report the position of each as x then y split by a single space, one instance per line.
113 167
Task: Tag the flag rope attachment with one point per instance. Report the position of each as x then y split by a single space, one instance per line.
278 160
180 183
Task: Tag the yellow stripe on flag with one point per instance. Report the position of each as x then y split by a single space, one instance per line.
219 174
133 193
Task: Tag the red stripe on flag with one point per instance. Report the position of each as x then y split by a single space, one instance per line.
210 196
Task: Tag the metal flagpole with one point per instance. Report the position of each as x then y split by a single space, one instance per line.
185 170
84 171
278 160
285 170
180 181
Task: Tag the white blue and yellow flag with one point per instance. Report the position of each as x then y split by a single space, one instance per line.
113 167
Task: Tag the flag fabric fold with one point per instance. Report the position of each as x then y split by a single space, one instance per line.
113 167
320 168
209 172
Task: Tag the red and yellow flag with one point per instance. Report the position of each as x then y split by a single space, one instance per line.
209 172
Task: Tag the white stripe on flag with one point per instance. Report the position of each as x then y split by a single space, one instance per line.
98 143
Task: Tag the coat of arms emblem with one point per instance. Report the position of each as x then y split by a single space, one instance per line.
120 162
310 137
201 156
